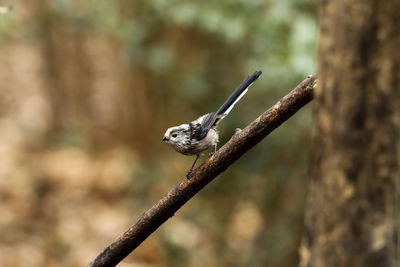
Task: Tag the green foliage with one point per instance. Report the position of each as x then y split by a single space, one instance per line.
6 17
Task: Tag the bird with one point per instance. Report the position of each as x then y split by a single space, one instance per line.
197 136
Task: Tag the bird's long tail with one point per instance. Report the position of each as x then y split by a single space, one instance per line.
237 94
211 119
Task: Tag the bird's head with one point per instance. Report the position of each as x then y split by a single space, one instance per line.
177 136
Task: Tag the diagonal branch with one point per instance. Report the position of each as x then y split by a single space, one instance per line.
239 144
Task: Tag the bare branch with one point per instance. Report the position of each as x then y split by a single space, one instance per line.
239 144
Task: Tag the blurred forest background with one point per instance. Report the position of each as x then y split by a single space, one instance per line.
88 89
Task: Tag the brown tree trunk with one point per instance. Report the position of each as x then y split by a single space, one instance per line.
350 219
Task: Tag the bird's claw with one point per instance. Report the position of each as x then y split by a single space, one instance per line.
189 173
210 154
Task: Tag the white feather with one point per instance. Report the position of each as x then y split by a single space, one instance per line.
237 99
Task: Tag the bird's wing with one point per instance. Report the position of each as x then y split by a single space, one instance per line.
201 126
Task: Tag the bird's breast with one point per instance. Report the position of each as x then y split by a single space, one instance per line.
207 142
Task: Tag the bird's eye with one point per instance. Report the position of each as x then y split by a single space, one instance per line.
174 135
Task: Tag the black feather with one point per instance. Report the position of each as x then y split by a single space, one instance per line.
211 119
238 91
197 131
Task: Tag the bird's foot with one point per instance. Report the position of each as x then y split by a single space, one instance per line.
237 130
210 154
189 173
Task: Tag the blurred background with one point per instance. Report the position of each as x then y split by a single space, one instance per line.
87 91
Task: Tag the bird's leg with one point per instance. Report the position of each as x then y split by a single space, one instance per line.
191 168
212 153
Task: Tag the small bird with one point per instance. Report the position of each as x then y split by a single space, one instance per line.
199 135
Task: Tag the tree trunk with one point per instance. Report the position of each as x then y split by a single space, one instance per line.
350 219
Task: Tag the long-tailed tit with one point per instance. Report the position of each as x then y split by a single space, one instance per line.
197 136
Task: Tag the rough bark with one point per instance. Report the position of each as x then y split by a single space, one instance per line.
351 208
239 144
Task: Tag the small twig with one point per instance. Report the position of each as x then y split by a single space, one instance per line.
239 144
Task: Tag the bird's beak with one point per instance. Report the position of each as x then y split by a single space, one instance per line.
165 138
